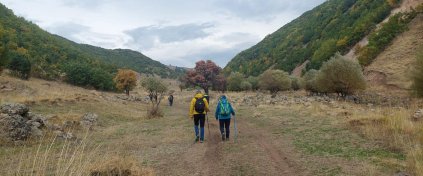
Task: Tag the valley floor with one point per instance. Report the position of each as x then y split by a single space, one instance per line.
313 139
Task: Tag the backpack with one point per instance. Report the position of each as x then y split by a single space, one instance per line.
199 105
224 109
170 98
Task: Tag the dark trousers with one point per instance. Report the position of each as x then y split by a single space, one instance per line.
199 119
224 125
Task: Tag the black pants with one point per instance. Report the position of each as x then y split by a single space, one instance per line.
199 118
224 125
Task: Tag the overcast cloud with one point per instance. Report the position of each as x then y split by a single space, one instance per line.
177 32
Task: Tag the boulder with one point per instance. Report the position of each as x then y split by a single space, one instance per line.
89 120
17 123
14 109
418 115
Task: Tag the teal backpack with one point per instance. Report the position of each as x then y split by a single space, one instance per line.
224 108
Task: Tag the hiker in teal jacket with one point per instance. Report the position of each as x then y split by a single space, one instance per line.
223 113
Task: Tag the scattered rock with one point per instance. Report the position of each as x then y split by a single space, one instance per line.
89 120
418 115
401 174
17 123
14 109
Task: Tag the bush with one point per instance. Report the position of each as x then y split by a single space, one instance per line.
82 74
274 81
340 75
234 81
254 81
126 80
156 89
310 81
20 66
296 83
245 86
417 86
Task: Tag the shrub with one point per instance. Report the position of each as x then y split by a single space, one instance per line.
310 81
245 86
156 89
126 80
417 76
20 66
296 83
82 74
340 75
274 81
254 81
234 81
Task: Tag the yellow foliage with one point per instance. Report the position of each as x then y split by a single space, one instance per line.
125 79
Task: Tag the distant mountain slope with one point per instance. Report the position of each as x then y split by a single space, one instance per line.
48 53
336 25
391 69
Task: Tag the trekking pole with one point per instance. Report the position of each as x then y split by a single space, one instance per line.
208 125
236 130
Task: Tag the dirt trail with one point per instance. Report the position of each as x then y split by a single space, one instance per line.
253 154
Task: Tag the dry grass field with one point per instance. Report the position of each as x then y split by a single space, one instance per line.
297 139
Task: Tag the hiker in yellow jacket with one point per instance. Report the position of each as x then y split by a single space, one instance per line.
197 111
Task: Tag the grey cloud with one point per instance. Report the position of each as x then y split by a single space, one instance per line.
85 3
264 9
222 56
145 37
68 30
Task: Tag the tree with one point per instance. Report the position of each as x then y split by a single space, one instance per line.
296 83
203 75
126 80
254 81
20 65
340 75
234 81
220 83
156 89
274 81
310 80
418 76
84 74
245 86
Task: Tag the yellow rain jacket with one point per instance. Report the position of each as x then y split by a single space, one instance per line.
192 111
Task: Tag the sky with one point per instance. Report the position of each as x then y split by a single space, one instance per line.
176 32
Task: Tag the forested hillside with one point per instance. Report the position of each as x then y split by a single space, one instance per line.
50 55
336 25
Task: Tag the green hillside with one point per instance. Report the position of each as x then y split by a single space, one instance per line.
336 25
49 54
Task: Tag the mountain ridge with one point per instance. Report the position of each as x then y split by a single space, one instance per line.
49 52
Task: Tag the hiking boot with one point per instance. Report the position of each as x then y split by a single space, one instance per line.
223 137
202 140
227 139
197 138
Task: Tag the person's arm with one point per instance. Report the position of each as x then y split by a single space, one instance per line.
217 111
232 109
191 108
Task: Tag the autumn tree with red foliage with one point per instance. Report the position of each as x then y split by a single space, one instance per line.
204 75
